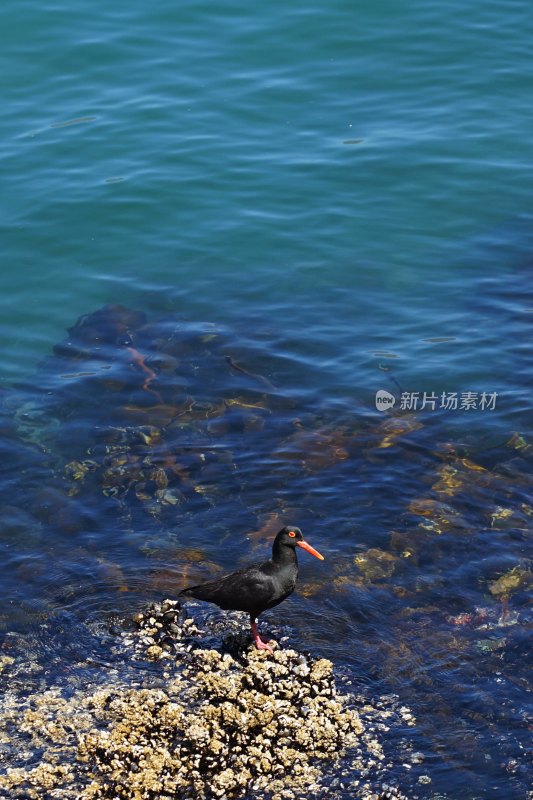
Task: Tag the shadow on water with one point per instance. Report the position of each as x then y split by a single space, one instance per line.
148 454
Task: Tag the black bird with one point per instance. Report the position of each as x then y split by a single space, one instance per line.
259 586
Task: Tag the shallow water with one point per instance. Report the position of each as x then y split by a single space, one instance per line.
147 454
338 201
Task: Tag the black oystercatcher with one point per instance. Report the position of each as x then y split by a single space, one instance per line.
260 586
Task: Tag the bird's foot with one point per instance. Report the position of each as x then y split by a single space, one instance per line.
261 645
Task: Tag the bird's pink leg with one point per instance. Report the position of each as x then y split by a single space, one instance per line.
259 643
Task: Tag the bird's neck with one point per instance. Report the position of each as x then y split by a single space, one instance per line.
283 555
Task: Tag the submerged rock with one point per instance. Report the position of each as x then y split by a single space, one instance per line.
517 578
375 564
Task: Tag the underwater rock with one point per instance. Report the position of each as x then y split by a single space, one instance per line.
516 578
518 442
394 428
112 324
315 450
375 564
439 517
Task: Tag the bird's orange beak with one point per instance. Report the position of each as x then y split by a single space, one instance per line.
310 549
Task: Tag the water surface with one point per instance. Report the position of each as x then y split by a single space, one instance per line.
339 201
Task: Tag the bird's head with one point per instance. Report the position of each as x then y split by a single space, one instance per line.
293 537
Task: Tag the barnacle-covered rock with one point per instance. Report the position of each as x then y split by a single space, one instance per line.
5 661
220 728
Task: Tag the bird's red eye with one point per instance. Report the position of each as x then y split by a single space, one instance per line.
292 534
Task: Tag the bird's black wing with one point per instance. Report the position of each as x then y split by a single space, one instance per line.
249 589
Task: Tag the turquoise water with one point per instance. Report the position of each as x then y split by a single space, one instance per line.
346 190
170 152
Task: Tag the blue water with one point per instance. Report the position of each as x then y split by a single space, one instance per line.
344 192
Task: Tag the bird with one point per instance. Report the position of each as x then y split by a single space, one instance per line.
260 586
